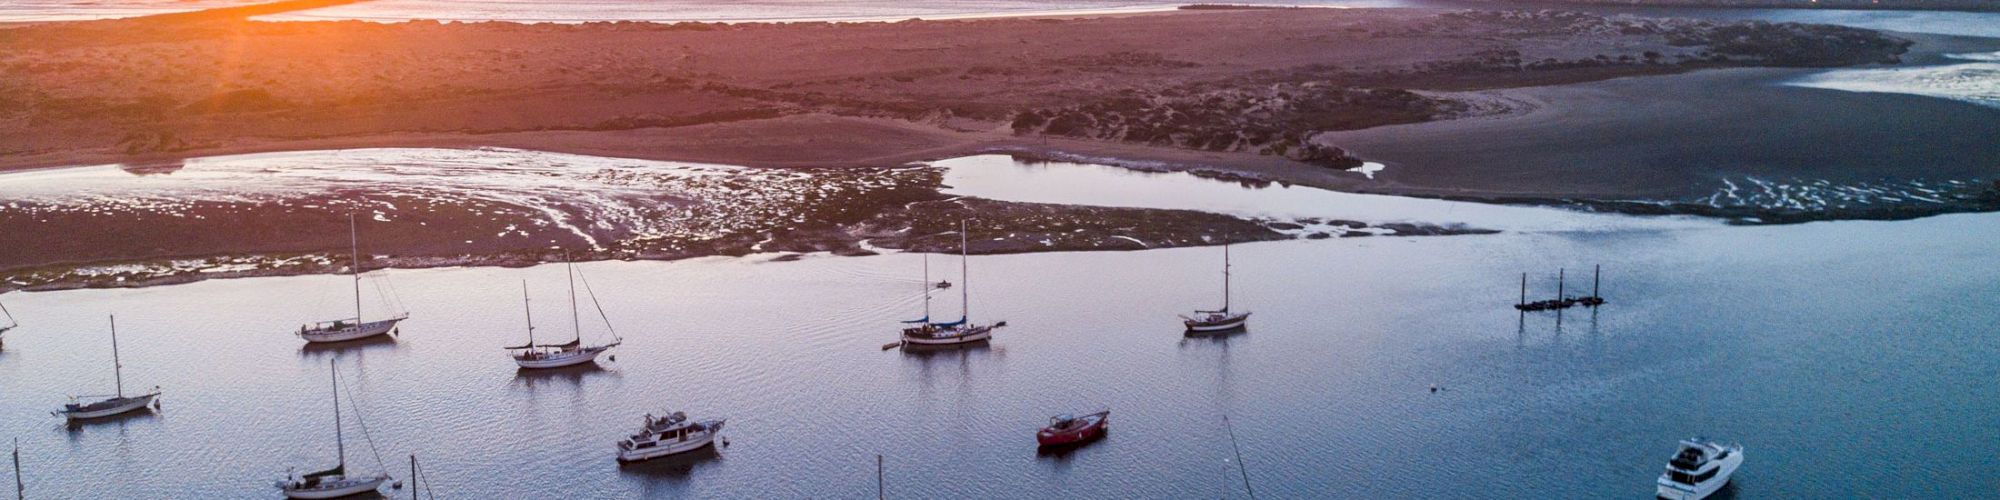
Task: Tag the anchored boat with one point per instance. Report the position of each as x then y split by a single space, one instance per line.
536 356
1066 429
115 404
334 482
342 330
662 436
928 333
1699 469
1219 320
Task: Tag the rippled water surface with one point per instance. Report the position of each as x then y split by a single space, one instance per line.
1824 348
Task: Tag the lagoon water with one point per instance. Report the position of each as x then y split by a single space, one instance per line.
1850 358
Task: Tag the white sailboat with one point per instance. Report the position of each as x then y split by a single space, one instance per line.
536 356
1221 319
341 330
334 482
11 324
961 332
115 404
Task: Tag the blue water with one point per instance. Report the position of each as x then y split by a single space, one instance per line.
1850 359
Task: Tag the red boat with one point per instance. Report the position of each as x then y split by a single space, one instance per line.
1068 429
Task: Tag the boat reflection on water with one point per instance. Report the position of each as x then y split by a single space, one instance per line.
570 375
77 428
317 350
674 468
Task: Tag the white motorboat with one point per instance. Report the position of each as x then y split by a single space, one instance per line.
334 482
537 356
1699 469
1220 320
950 333
343 330
672 434
111 405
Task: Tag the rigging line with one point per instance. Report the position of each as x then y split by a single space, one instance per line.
10 316
359 420
600 307
395 295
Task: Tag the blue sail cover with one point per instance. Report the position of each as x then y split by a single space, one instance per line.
925 319
961 321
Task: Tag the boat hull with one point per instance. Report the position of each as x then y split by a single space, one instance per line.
358 332
692 443
130 404
561 359
1670 490
338 488
1049 437
975 334
1226 324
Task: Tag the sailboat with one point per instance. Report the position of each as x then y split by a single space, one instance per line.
350 329
931 333
1220 319
334 482
11 324
115 404
535 356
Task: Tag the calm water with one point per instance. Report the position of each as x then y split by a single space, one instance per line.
1850 359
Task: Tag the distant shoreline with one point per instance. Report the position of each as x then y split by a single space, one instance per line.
1874 5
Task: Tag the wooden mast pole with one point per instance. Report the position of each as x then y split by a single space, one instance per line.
354 242
117 366
1596 275
964 275
575 323
531 315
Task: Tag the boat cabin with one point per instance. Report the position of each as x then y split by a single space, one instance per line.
671 428
1696 462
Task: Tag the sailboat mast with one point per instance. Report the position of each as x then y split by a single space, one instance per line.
1225 278
574 323
117 367
964 284
354 242
339 441
530 311
927 288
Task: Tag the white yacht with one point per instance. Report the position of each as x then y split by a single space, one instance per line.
927 333
536 356
111 405
1220 320
334 482
662 436
342 330
1699 469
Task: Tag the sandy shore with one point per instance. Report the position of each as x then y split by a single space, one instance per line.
1260 95
1222 83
